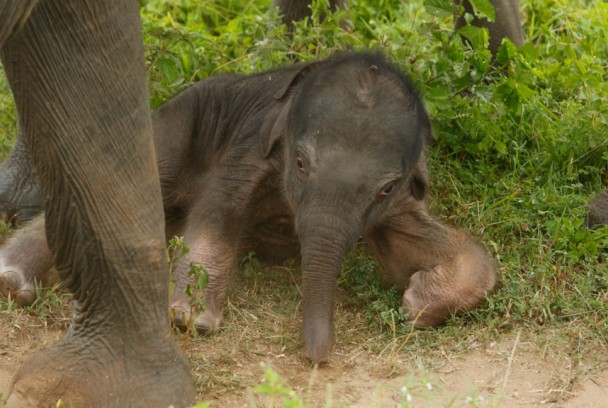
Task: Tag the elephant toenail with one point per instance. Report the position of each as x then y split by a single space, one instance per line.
12 280
25 298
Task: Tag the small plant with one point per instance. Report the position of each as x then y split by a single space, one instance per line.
50 305
197 405
250 265
176 250
416 390
200 276
274 387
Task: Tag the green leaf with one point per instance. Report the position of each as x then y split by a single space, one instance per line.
477 36
506 52
523 90
203 279
439 8
500 147
483 8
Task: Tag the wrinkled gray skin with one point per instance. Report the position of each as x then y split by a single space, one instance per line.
77 73
316 155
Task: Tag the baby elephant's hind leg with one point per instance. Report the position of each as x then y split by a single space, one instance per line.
457 283
443 271
24 259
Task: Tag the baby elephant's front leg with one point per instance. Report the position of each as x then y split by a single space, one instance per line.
443 271
218 257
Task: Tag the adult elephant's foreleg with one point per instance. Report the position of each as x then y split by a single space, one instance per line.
443 271
296 10
506 24
76 70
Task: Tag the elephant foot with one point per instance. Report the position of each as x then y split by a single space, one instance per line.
598 211
14 285
87 371
433 296
183 316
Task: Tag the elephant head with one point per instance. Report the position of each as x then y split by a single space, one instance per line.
352 130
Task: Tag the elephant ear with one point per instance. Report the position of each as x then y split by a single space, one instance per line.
275 123
274 127
419 182
419 179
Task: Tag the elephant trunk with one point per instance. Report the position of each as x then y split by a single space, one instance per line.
325 240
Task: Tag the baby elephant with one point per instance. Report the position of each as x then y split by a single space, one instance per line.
313 156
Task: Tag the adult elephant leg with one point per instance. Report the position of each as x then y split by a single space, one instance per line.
20 198
507 22
296 10
24 259
76 70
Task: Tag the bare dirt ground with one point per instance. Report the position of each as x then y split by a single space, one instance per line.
480 367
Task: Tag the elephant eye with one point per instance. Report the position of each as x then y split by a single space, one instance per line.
300 163
388 189
301 166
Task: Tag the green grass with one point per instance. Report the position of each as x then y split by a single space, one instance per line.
520 148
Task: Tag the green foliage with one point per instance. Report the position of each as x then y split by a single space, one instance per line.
540 110
361 275
197 272
48 302
275 388
202 405
199 275
250 265
8 117
189 40
414 391
176 250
